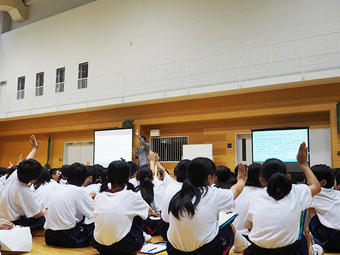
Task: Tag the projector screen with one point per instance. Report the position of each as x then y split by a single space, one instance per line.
113 144
278 143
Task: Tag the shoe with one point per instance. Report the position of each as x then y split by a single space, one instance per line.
147 237
317 249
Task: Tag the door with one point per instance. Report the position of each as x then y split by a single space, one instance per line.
243 148
78 152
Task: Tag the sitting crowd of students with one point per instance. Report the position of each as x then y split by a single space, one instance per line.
115 209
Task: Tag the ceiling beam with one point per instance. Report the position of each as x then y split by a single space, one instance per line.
16 8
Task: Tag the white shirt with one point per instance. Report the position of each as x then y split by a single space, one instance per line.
171 189
42 194
68 207
327 206
276 223
114 213
134 181
3 179
16 199
241 207
93 188
189 234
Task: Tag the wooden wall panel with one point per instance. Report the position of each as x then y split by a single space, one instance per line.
210 120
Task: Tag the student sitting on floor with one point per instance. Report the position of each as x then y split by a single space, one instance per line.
119 214
91 185
43 188
17 202
194 212
274 215
337 179
55 175
67 210
223 177
133 173
325 223
64 173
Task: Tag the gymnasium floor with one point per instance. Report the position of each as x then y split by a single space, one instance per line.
40 248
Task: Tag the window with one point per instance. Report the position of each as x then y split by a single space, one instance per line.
82 75
39 84
169 149
21 88
60 80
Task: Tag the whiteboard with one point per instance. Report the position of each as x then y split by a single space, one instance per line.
113 144
191 151
320 146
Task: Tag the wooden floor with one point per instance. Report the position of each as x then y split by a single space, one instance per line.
40 248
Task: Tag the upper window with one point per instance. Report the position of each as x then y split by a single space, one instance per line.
82 75
60 80
21 88
39 84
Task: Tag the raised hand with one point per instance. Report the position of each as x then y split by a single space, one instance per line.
302 155
242 174
33 142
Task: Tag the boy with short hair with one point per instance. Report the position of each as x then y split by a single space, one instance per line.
325 221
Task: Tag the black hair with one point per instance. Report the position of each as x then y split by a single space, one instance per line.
133 167
43 178
76 174
64 170
337 175
103 175
297 177
223 175
194 187
181 170
92 171
29 170
144 176
254 171
53 171
274 171
3 171
324 172
118 172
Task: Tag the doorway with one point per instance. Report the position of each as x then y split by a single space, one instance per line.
78 152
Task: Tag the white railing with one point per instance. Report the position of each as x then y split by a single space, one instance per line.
299 59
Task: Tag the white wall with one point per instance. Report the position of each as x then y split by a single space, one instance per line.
130 46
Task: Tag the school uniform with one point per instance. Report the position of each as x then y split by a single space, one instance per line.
325 226
118 221
201 233
18 205
134 181
275 224
42 194
241 207
93 188
65 216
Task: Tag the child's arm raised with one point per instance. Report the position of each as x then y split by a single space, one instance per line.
241 180
35 147
312 181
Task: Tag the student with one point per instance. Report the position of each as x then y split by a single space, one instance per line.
274 215
42 188
55 175
91 185
337 179
297 178
133 173
65 225
119 214
223 177
17 202
325 223
64 173
194 212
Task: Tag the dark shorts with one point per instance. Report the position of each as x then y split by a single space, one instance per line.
219 246
155 227
33 224
328 238
297 248
132 243
79 236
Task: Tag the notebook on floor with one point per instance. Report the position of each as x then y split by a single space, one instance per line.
153 248
225 218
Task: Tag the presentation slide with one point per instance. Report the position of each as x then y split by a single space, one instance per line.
281 143
110 145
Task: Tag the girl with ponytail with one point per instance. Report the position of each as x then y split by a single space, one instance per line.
194 210
274 214
119 214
